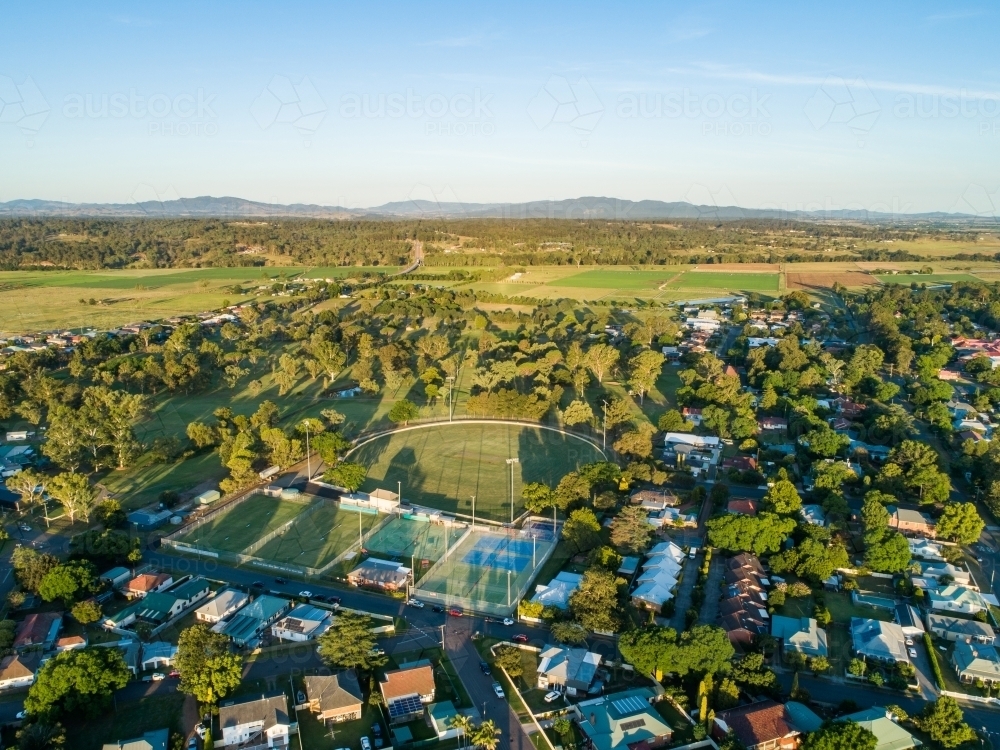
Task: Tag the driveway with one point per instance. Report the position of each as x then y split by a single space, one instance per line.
683 600
925 674
710 609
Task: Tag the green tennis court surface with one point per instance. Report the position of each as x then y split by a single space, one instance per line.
401 539
240 526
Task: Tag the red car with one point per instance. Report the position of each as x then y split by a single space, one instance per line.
520 638
455 612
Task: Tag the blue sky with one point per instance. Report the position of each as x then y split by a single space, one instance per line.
793 105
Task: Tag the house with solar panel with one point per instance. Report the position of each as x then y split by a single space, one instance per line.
406 691
623 721
304 623
248 625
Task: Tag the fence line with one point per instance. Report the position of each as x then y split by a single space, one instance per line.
254 546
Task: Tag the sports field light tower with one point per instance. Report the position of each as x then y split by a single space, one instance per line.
510 463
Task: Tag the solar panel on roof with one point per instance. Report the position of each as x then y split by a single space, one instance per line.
628 705
632 724
405 706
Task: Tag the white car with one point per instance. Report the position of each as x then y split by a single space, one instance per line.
21 715
415 603
498 690
157 676
200 730
366 744
912 652
909 641
306 594
552 696
507 621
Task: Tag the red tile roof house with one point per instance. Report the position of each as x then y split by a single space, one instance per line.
400 685
38 631
759 726
911 522
147 583
742 506
691 415
746 561
740 463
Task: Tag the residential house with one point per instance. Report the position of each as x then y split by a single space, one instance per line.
380 574
116 577
158 654
148 583
260 722
743 622
70 643
223 604
742 506
953 598
943 570
740 463
888 734
155 608
441 717
813 514
907 617
959 629
623 721
38 631
303 623
925 549
654 499
18 670
190 592
874 452
765 725
911 522
334 698
691 415
799 634
881 641
556 593
158 739
569 670
748 563
248 624
976 661
406 691
660 573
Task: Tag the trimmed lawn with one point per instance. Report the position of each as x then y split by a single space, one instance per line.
683 729
239 526
751 282
345 734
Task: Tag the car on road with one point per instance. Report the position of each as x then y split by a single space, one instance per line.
306 594
199 729
508 622
912 652
553 695
280 581
257 585
366 744
175 674
437 608
377 652
333 600
909 641
21 715
498 689
520 638
24 527
193 743
415 603
484 668
455 612
157 676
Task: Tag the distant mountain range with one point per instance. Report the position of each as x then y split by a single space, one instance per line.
576 208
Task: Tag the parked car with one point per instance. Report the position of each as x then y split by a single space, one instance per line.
498 690
174 674
193 742
24 527
415 603
437 608
199 729
455 612
484 668
257 584
376 729
377 652
909 641
507 621
912 652
21 715
306 594
157 676
366 744
552 696
334 600
520 638
280 581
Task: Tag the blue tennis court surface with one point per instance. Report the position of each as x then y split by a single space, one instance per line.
498 552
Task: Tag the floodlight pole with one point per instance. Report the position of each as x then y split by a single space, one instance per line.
604 437
451 388
533 541
508 588
510 463
473 512
308 457
399 496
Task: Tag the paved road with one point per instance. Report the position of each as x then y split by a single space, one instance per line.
710 608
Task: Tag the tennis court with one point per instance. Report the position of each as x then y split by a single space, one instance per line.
488 571
238 527
320 536
404 537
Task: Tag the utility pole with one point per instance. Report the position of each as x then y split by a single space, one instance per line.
510 463
508 588
451 388
399 495
473 511
605 429
309 472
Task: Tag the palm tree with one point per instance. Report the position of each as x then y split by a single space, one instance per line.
487 736
463 724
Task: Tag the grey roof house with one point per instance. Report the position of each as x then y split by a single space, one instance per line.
958 629
155 740
800 634
975 661
569 669
882 641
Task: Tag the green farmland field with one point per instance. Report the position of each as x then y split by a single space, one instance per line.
443 466
748 282
927 278
616 279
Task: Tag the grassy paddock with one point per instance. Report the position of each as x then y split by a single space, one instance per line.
238 527
316 538
750 282
443 466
